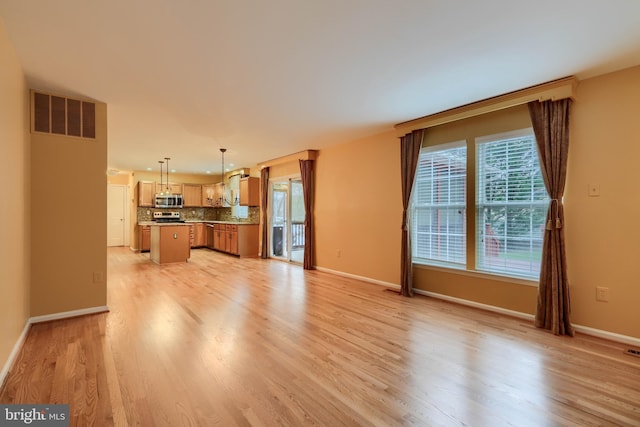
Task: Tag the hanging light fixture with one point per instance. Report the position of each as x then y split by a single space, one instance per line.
223 197
161 187
168 189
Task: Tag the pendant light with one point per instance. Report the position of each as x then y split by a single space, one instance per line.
168 189
161 189
223 198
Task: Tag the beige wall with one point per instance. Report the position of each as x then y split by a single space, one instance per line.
69 232
180 178
603 238
358 208
119 179
14 218
358 211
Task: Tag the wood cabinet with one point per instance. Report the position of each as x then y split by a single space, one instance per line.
197 235
145 193
220 237
144 238
236 239
192 195
232 239
249 191
248 240
170 243
173 187
176 188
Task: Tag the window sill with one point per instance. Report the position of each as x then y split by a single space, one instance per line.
479 274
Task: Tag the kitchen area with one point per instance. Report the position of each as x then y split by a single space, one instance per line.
220 212
173 218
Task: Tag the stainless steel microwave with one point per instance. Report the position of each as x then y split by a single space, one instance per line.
169 201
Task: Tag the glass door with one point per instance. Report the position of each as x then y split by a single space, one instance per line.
279 215
287 220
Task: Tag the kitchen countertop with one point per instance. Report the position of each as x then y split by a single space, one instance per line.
227 222
161 224
189 222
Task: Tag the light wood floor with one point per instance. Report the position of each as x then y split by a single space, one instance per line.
227 341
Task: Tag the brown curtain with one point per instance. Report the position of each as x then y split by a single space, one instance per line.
550 121
264 200
409 151
306 173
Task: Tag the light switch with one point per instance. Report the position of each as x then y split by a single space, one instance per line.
593 190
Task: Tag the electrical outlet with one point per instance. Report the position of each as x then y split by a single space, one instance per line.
98 277
593 190
338 253
633 352
602 294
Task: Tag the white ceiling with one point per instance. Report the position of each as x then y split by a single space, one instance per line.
268 78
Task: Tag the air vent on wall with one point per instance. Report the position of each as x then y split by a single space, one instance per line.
63 116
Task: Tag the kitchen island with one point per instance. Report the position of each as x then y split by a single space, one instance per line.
170 243
238 238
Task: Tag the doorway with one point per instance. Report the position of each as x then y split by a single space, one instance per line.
287 220
116 215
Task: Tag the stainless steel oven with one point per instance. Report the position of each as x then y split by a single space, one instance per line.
165 217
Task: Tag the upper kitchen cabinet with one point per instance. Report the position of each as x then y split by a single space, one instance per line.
174 188
249 191
146 192
192 194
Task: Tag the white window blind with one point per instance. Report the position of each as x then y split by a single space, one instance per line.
511 205
439 205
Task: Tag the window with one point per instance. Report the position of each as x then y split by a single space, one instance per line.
439 208
237 211
510 205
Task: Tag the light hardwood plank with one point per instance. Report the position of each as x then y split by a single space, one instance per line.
222 341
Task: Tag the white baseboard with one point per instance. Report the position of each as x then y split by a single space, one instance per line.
612 336
492 308
364 279
67 314
624 339
14 353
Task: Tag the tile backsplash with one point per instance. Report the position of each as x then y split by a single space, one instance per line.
202 214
